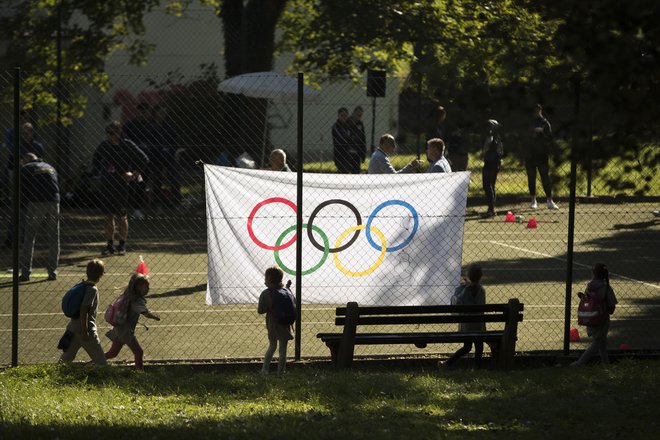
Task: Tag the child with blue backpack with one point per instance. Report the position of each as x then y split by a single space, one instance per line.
278 303
124 333
81 330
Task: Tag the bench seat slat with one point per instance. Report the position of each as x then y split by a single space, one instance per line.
412 338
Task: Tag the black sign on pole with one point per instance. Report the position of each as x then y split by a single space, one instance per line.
376 83
376 88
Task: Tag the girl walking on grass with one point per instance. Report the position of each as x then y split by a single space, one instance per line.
124 334
599 285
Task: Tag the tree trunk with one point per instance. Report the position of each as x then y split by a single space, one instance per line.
248 33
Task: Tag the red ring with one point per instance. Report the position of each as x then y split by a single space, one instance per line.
251 217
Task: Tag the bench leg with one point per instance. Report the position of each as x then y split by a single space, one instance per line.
333 353
495 352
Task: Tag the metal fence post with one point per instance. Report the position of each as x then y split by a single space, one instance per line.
571 220
15 215
299 204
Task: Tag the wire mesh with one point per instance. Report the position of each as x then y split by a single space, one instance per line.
147 170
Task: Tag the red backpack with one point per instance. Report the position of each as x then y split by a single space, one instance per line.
117 312
592 310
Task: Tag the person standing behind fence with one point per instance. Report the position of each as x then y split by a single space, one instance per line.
599 285
141 131
28 145
82 330
492 153
537 157
438 131
276 332
117 161
435 153
342 144
358 137
124 334
478 293
277 161
380 160
40 197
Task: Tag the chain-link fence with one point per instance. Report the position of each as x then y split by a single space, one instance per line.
135 190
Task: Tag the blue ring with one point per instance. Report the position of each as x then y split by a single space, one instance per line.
384 205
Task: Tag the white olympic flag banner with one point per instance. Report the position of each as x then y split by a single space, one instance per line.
374 239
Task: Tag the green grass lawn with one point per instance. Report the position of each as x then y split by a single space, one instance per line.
311 402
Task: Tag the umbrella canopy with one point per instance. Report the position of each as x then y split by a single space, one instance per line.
269 85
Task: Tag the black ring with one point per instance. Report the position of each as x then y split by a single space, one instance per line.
310 222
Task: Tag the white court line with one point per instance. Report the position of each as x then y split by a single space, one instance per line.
517 241
541 254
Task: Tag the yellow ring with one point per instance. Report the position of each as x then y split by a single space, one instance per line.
379 261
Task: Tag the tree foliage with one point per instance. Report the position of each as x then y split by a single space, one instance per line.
90 31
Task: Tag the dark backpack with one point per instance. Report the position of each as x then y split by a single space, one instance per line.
284 306
495 151
72 300
463 296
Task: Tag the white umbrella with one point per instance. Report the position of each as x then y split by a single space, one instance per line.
266 85
269 85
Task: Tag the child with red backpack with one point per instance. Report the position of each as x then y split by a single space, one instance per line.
597 303
279 305
124 333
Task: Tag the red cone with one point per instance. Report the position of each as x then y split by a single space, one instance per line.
142 267
574 335
531 224
510 218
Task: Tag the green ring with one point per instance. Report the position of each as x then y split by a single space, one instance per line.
326 250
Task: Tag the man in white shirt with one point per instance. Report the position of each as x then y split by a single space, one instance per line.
435 153
380 160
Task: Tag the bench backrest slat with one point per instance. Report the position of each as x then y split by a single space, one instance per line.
414 310
426 319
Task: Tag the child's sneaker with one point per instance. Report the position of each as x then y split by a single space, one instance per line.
552 205
533 205
121 249
108 250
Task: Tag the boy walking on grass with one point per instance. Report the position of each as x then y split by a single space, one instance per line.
278 304
81 330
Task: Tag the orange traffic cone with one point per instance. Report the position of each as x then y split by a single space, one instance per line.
531 224
574 335
142 267
510 218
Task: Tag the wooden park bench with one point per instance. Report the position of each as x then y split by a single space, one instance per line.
502 342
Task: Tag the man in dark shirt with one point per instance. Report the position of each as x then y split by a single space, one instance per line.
117 162
40 197
344 153
358 137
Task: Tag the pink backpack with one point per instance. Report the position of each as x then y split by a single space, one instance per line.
592 310
117 312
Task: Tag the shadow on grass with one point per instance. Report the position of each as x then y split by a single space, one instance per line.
320 404
183 291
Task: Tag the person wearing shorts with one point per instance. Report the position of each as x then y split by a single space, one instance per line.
117 161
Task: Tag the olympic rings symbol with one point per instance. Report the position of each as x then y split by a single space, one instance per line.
312 229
